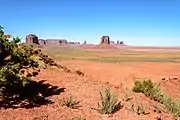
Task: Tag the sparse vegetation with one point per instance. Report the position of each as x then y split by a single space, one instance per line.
157 108
112 56
15 60
151 90
17 67
127 96
145 87
139 108
70 102
172 106
109 103
79 118
20 88
155 93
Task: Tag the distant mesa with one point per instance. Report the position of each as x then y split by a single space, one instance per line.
32 39
85 43
74 43
120 42
42 42
112 43
105 40
106 43
53 41
7 36
63 41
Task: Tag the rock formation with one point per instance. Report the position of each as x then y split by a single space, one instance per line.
8 36
105 40
112 43
74 43
53 41
120 42
42 42
85 43
32 39
63 41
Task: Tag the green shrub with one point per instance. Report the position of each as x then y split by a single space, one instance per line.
154 92
70 102
109 103
176 110
15 59
172 106
143 87
151 90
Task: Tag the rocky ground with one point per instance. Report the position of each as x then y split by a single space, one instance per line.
85 90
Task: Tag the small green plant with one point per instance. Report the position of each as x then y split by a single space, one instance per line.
79 118
15 60
172 105
127 96
154 92
143 87
109 103
151 90
139 108
70 102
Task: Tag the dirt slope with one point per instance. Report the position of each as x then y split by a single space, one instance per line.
86 91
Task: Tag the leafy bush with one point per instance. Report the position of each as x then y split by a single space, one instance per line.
172 106
154 92
15 59
149 89
70 102
17 67
143 87
109 103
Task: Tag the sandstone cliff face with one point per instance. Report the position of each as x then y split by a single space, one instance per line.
52 42
112 43
42 42
74 43
85 43
120 42
32 39
63 41
105 40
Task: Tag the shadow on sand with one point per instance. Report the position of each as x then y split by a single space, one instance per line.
32 95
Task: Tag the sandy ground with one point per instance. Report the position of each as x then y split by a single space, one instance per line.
125 73
86 89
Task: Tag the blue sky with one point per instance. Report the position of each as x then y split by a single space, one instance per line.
136 22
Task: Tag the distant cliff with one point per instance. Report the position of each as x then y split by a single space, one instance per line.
33 39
